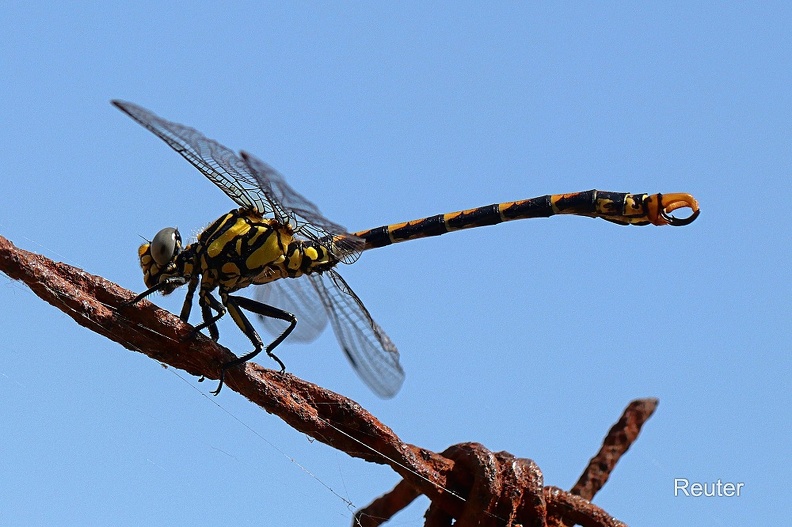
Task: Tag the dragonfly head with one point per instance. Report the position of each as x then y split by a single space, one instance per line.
158 258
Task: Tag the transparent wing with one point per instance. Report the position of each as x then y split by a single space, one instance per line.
250 182
308 220
288 197
218 163
372 354
297 296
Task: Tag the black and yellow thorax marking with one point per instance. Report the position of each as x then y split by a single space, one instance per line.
241 248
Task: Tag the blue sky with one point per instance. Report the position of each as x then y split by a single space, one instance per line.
529 337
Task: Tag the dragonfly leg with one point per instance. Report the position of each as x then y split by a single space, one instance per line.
205 312
169 283
235 305
207 301
209 322
188 299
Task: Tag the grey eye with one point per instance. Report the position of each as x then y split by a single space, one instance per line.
165 245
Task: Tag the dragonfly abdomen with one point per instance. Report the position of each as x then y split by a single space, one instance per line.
617 207
433 226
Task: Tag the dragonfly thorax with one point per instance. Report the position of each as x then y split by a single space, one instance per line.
243 248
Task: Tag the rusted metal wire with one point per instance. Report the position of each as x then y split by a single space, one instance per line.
619 439
499 493
498 490
383 508
467 484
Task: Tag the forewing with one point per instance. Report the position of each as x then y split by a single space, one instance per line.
297 296
218 163
287 196
372 354
309 221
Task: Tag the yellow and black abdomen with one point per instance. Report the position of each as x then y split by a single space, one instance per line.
239 247
618 207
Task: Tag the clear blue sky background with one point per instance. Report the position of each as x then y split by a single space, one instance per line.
529 337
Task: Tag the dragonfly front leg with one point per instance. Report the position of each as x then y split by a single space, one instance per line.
169 283
235 305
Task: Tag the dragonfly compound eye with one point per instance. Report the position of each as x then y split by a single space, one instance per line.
165 246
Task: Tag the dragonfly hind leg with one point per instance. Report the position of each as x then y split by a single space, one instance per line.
235 305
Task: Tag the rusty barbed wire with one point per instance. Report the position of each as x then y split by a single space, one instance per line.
619 439
502 490
501 495
466 484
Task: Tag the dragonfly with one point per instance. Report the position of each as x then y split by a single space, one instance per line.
279 240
